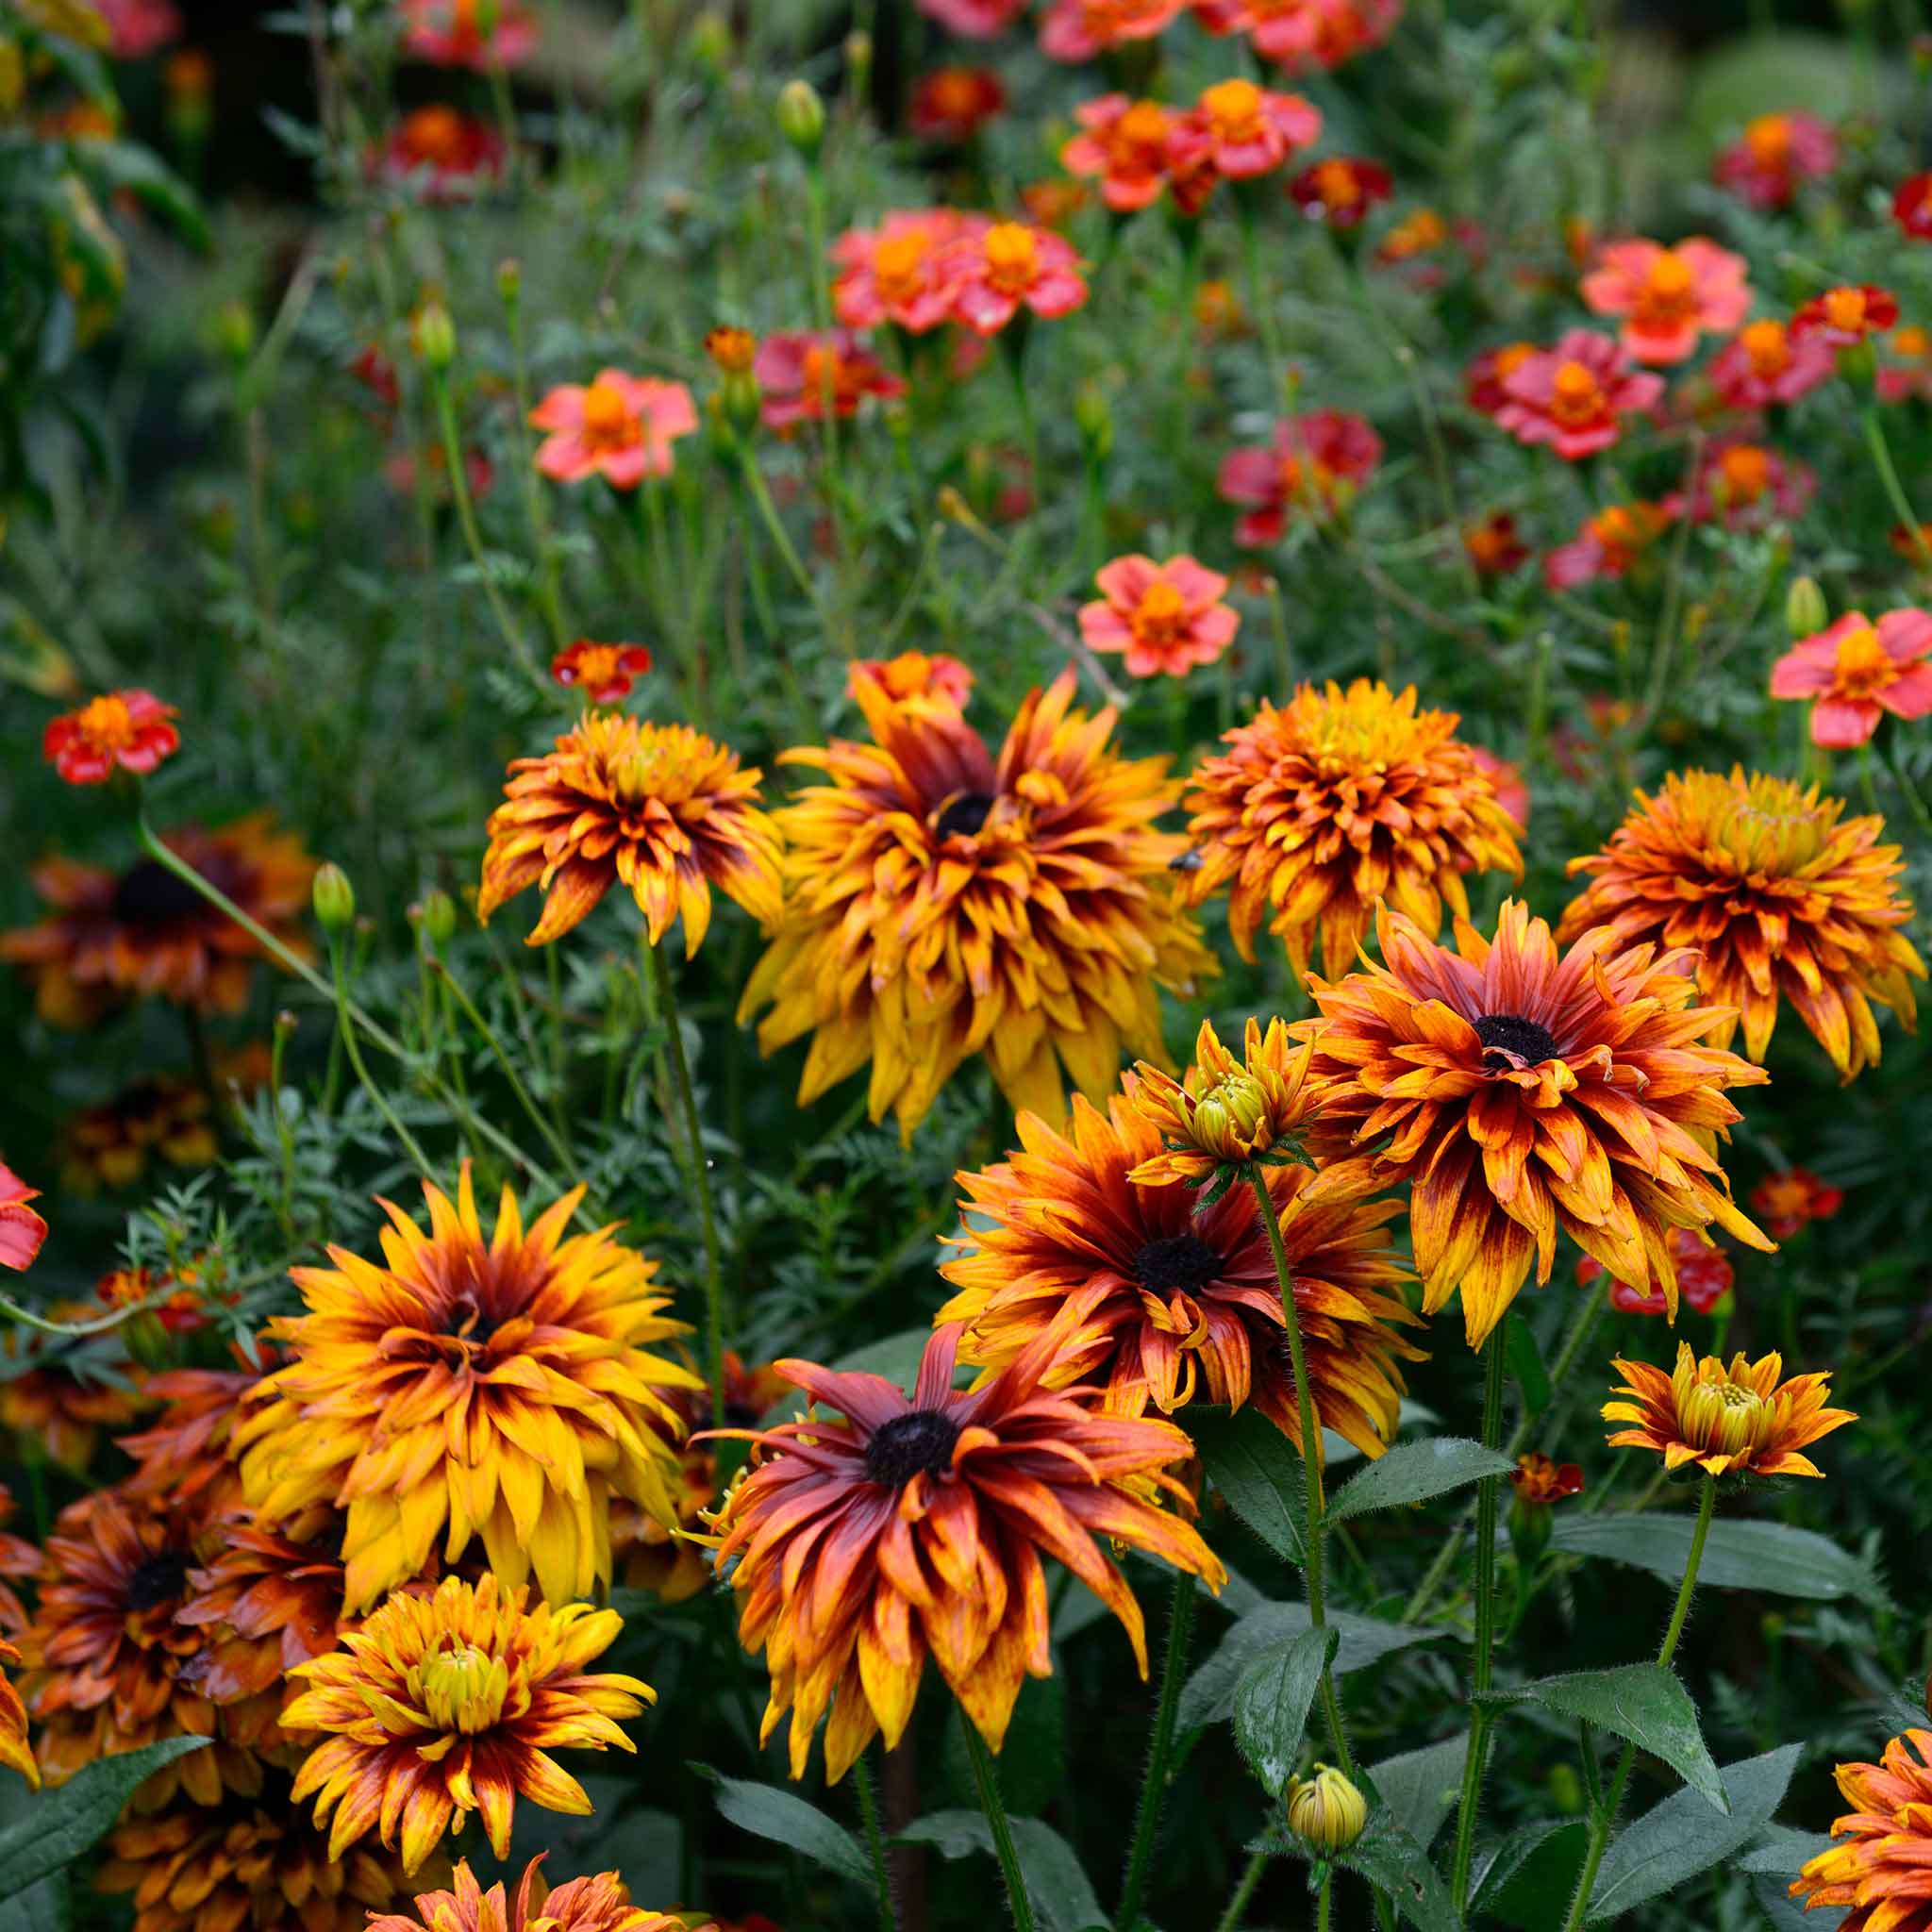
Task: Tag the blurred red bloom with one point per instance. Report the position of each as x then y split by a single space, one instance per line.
1003 267
1339 192
376 373
1319 461
1242 130
1911 375
1512 794
452 33
1574 396
1767 363
604 673
954 102
1537 1479
1845 315
1606 544
123 731
479 472
1668 296
913 680
1301 34
1165 617
1079 29
139 28
901 271
977 20
796 368
21 1231
1705 1275
621 427
1743 486
1856 671
1774 152
1911 207
1789 1199
1493 545
446 156
1482 381
1123 144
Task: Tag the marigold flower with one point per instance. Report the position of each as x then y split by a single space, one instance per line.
1793 1198
1744 1420
1846 315
125 730
1482 381
479 34
621 427
604 673
912 678
1856 671
1877 1876
901 271
1079 29
917 1523
15 1752
110 1145
1166 617
1000 268
978 20
1668 296
797 369
1776 152
22 1230
955 103
1704 1276
1321 812
468 1388
580 1905
1316 463
1612 543
441 1705
1520 1092
1301 34
1911 376
1768 363
112 936
1574 396
1243 131
658 807
1911 207
1782 901
1123 144
943 902
1744 485
1421 233
1493 544
173 1304
1341 191
445 155
1537 1479
732 350
1169 1307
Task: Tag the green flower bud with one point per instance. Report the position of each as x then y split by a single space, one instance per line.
334 898
802 116
509 280
710 40
1326 1810
1093 418
435 334
439 917
1805 611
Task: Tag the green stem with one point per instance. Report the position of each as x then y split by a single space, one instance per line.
875 1842
995 1807
541 1120
1324 1901
1154 1786
346 1027
1250 1878
1261 301
1895 489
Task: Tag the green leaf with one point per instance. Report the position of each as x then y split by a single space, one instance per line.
1780 1852
126 165
1527 1364
72 1818
1249 1460
1419 1788
1271 1703
1058 1886
1033 1763
1209 1695
768 1813
1529 1882
1737 1556
1415 1471
1641 1702
1388 1856
1679 1837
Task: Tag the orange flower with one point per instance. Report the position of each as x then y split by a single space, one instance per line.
460 33
1744 1419
658 807
62 1404
114 935
1000 270
1340 193
604 673
1668 296
732 350
22 1229
955 103
1493 545
19 1558
445 156
1574 397
110 1145
1879 1876
1846 315
186 1453
1783 903
901 271
15 1753
1768 363
1225 1112
1166 617
1537 1479
916 1525
621 427
1123 144
912 678
1321 812
1079 29
1300 34
1794 1197
445 1705
125 730
1775 152
1519 1092
1856 671
581 1905
1612 543
799 371
1243 131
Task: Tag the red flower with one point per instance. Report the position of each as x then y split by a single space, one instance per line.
1243 131
620 429
1789 1199
1845 315
1743 486
954 102
977 20
1705 1275
1574 396
1301 34
21 1231
1339 192
451 33
1774 154
796 368
1166 617
1537 1479
1606 544
1078 29
899 271
1768 363
1482 381
1493 546
445 156
1124 145
139 28
128 730
1317 460
1911 376
1668 296
1512 794
1003 267
1856 671
377 374
604 673
1911 207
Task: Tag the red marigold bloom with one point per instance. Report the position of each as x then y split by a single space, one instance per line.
1914 544
977 20
125 730
1316 462
1794 1197
1911 207
1846 315
1124 146
446 156
604 673
1482 381
1301 34
1537 1479
916 1525
139 28
1607 545
21 1230
1166 617
1668 296
913 678
1704 1276
1775 152
1768 363
1744 485
901 271
1520 1092
1002 267
1493 545
1421 233
1911 375
796 368
1079 29
955 103
1877 1877
1341 191
453 33
1856 671
1243 131
581 1905
1741 1419
1574 396
733 350
621 427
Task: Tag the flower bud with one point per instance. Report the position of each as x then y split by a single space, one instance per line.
439 917
1326 1810
859 64
434 335
509 280
334 898
1805 611
802 116
710 40
1093 418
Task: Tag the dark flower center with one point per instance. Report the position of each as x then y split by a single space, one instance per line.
150 894
1182 1261
1505 1033
964 816
917 1442
160 1580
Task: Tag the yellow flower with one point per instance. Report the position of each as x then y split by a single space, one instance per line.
580 1905
1743 1419
1877 1877
15 1753
1326 1808
1226 1111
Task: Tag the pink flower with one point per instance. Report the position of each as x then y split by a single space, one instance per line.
1774 154
796 368
1704 1278
1301 34
453 33
1668 296
977 20
1079 29
1744 485
1856 671
1318 461
1574 396
1607 545
1241 130
1002 267
123 731
21 1231
1166 617
901 271
1125 143
620 429
139 28
1845 315
1768 364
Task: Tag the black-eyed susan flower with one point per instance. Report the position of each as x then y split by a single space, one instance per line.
161 1117
1225 1112
1880 1877
1741 1417
600 1903
69 1393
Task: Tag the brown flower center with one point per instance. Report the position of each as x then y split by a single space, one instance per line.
963 815
1177 1261
150 894
1510 1041
158 1581
920 1442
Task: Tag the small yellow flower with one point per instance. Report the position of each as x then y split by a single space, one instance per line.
1741 1417
1326 1809
1225 1112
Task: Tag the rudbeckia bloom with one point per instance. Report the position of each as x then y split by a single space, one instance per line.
1793 1198
1704 1276
1881 1876
1123 144
441 1705
1520 1092
1856 671
1226 1111
186 1453
1166 617
1574 396
1341 191
15 1753
125 730
580 1905
900 272
1774 152
1167 1307
1743 1419
453 33
22 1229
621 427
1315 464
917 1523
942 902
1320 811
1612 543
110 1145
796 370
464 1388
1846 315
1783 900
62 1403
955 103
445 155
19 1558
112 936
658 807
1767 363
1243 131
1668 296
1300 34
604 673
1079 29
999 269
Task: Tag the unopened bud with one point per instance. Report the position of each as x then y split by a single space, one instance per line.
1093 418
435 334
710 40
1806 612
509 280
439 917
1326 1810
859 64
334 898
802 116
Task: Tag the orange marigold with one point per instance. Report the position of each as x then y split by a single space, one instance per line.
1321 812
1521 1091
1743 1419
1783 899
1881 1876
580 1905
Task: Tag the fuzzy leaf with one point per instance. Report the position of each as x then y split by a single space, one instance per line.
1271 1703
1737 1556
1419 1788
1415 1471
1059 1887
1209 1694
1249 1460
768 1813
60 1825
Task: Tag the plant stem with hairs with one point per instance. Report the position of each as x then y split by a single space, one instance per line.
986 1781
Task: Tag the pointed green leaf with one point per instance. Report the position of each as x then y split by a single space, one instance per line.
1388 1856
1529 1881
1271 1703
61 1823
1419 1788
1415 1471
1737 1556
1055 1883
1249 1460
1209 1694
787 1819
